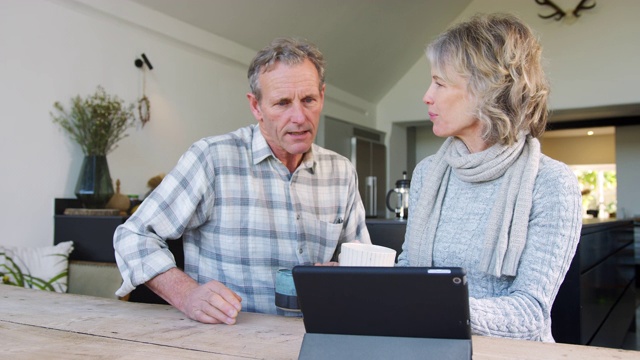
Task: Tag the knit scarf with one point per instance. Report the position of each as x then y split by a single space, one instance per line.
506 232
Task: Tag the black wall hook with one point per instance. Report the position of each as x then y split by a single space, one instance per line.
139 62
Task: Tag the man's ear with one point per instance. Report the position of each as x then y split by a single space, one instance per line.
254 104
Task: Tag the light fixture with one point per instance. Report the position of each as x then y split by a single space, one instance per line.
139 63
590 132
144 107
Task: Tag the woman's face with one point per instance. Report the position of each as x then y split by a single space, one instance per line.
451 110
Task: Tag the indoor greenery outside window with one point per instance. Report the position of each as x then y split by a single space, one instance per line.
598 184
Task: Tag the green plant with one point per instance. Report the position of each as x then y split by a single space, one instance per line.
96 122
14 275
589 179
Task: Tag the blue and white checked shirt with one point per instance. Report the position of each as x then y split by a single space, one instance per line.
242 216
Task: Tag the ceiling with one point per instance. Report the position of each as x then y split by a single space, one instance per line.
368 44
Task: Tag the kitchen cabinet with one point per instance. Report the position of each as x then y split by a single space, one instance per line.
596 302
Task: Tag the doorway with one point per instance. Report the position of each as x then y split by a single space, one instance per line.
591 154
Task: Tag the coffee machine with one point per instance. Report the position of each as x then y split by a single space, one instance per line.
401 193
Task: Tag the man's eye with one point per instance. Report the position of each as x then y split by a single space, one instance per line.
282 103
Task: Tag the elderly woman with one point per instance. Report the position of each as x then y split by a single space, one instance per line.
488 200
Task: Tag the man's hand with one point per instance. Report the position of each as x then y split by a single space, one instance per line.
330 263
210 303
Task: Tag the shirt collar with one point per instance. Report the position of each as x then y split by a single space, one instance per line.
259 147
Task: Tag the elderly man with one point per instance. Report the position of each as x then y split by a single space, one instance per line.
249 202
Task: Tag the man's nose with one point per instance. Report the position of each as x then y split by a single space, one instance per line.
297 113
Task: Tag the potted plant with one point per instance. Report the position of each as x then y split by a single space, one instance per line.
97 123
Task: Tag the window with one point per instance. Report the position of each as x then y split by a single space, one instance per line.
598 185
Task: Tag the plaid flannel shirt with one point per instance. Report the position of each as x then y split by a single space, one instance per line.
242 216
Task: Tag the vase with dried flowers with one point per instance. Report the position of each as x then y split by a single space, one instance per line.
97 123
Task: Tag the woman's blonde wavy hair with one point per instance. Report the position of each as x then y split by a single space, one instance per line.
501 59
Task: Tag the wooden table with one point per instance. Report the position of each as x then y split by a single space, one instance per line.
37 324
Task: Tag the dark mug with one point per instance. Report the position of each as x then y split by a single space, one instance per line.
286 296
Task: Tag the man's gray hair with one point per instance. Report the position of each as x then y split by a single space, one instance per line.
289 51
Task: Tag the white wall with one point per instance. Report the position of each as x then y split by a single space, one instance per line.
51 50
591 62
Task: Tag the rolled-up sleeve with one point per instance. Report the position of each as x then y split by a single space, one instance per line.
140 243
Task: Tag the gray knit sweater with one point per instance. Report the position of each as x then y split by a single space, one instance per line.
506 306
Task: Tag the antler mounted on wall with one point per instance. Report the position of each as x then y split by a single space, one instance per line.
559 14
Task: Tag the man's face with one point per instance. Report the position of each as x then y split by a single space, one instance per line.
289 111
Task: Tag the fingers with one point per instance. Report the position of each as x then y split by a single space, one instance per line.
213 303
223 301
213 316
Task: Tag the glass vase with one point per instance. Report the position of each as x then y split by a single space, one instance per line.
94 187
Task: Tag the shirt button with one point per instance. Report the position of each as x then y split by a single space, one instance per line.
298 217
300 250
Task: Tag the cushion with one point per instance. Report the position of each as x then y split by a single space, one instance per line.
94 278
44 268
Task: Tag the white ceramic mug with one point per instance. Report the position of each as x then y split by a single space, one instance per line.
356 254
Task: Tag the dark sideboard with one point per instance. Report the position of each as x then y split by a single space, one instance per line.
92 236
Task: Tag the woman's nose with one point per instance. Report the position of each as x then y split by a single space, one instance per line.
427 98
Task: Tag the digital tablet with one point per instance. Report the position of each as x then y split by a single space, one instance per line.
419 302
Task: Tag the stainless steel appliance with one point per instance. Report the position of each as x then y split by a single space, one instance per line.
370 159
366 150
